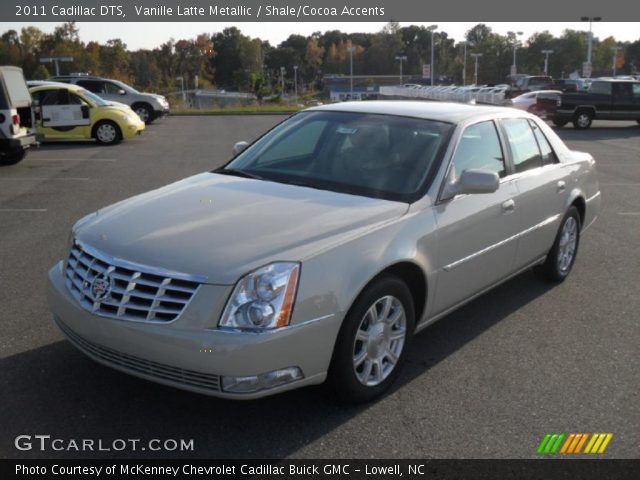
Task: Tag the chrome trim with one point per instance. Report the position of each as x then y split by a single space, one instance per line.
119 262
137 293
500 243
252 331
429 321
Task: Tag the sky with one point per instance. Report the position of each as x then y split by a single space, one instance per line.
150 35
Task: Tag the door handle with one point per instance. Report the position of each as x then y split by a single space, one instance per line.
562 186
508 206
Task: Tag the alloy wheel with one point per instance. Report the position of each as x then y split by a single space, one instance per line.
379 341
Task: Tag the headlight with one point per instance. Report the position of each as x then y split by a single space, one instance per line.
263 299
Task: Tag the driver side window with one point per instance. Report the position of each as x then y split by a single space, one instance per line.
479 147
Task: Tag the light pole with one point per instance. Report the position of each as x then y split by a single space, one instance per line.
476 56
590 36
56 61
184 96
351 50
615 60
401 58
514 67
282 78
464 62
295 81
432 29
546 54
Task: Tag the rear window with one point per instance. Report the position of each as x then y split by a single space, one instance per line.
17 90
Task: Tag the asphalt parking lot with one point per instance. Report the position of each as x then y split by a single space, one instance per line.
488 381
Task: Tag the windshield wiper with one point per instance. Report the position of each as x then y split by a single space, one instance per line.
238 173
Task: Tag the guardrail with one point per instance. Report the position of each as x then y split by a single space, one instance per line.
450 93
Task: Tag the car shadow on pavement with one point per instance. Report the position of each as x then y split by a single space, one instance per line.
55 390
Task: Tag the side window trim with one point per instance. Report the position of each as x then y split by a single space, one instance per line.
515 174
535 127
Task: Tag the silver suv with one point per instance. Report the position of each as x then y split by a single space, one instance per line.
148 106
16 116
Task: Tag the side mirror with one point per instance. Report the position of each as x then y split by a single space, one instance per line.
122 92
239 147
474 180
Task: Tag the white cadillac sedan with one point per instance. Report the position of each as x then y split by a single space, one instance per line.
319 250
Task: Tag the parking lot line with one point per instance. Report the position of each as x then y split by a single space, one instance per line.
3 210
39 179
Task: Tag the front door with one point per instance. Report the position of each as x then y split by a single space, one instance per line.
477 234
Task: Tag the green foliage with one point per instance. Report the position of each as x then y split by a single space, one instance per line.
235 61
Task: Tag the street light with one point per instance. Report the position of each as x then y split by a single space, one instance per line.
295 81
590 37
282 78
615 60
401 58
514 67
546 54
351 50
432 29
56 61
476 56
184 96
464 63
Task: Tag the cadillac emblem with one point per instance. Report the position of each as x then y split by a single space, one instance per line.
100 287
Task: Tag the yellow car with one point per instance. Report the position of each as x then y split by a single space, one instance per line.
71 112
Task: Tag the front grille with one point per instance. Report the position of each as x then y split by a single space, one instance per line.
125 292
135 364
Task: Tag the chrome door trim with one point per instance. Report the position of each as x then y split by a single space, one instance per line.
545 222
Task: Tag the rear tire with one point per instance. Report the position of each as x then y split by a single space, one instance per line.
562 255
107 132
373 341
11 158
582 119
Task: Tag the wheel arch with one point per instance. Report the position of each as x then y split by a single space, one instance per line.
577 199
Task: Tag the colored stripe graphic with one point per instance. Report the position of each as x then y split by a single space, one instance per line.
598 442
550 443
572 443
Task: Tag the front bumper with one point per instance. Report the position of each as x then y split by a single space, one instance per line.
159 113
187 355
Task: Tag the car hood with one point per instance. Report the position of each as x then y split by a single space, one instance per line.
222 227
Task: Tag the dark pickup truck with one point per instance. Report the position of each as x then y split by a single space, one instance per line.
607 99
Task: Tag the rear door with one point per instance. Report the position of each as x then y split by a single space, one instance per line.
623 107
476 233
61 108
543 185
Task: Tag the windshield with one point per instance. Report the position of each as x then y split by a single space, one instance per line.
380 156
99 101
126 87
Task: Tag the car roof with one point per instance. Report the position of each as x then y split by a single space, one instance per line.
442 111
46 85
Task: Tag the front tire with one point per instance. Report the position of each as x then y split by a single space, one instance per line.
373 341
11 158
582 119
144 111
562 255
107 132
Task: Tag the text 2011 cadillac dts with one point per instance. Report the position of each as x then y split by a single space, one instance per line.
320 249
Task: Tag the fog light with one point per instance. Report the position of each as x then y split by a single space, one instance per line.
264 381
